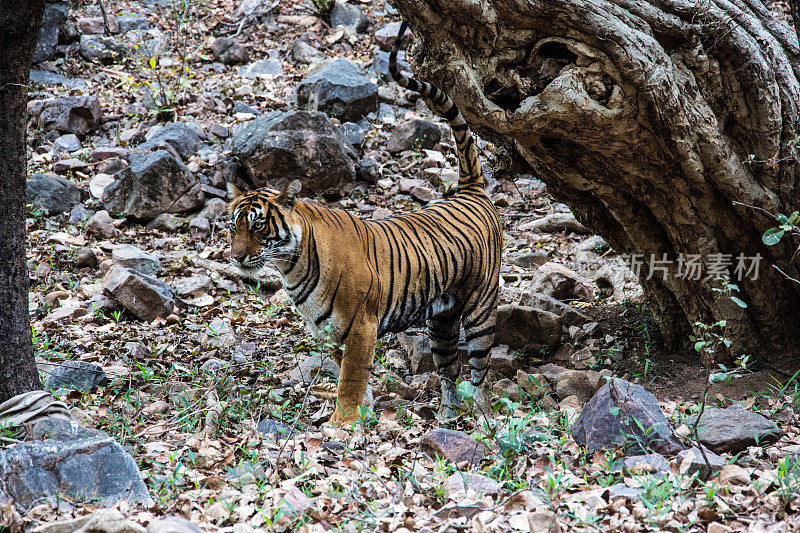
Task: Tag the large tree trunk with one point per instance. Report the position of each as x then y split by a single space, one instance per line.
19 27
664 124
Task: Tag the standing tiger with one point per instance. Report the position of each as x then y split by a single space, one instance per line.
366 278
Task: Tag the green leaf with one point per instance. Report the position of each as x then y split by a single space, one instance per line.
153 62
794 218
613 410
772 236
783 219
698 346
466 390
739 302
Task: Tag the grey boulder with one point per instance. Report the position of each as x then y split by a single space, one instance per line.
71 114
280 147
76 375
54 16
180 137
340 89
414 135
623 413
94 470
129 256
52 193
103 49
526 328
734 429
146 297
349 16
154 183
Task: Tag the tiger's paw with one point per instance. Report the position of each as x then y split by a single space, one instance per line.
344 416
326 391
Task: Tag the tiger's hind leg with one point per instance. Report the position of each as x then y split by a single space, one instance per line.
479 326
443 330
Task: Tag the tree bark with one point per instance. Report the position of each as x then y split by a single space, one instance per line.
19 28
664 124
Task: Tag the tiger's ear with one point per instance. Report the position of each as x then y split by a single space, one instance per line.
288 195
234 193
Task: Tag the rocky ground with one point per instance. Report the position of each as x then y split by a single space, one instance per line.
143 328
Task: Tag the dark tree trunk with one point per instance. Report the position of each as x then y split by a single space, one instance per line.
666 125
19 28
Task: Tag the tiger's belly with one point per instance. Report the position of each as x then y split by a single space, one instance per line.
416 311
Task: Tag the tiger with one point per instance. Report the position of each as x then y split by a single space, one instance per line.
357 280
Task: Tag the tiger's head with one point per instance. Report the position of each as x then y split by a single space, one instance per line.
263 225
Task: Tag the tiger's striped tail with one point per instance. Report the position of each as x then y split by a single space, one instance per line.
468 164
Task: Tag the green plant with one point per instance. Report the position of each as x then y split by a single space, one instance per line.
323 8
786 225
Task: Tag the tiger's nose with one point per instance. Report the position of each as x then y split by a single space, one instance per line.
239 257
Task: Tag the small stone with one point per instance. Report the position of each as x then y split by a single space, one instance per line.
455 446
315 365
101 153
504 361
63 166
353 133
127 23
67 143
625 413
302 52
505 388
424 194
102 224
530 259
386 36
651 463
574 383
71 114
461 485
146 297
528 329
129 256
261 68
227 51
76 375
733 429
137 350
340 89
52 193
295 502
274 430
85 257
534 384
405 185
214 365
558 281
350 16
199 226
414 134
621 490
691 461
103 49
194 285
167 222
98 183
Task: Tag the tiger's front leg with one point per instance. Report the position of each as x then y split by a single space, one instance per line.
355 369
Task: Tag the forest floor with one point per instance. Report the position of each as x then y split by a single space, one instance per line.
187 400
